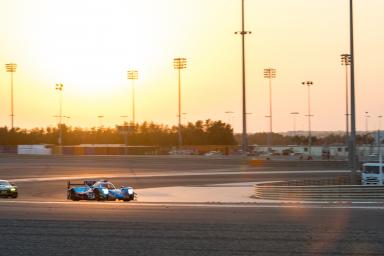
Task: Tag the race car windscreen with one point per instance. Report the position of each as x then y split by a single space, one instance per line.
106 185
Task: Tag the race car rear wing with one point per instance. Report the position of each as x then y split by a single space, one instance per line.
85 182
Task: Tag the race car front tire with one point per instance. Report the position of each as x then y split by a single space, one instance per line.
129 198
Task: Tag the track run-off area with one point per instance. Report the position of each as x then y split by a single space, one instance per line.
186 206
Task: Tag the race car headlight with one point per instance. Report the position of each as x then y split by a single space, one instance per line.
105 191
130 191
13 189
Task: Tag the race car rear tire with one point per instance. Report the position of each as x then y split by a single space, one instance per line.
72 196
97 195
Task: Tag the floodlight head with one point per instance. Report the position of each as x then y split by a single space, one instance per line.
133 74
308 83
180 63
345 59
59 87
269 73
11 67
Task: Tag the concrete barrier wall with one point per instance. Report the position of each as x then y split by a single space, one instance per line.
34 150
299 163
105 150
282 191
8 149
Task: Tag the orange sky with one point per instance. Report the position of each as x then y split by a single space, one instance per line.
89 45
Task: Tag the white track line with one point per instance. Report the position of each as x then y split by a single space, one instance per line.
207 205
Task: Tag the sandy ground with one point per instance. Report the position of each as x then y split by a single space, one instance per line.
205 194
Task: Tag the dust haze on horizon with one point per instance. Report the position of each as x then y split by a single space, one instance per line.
89 46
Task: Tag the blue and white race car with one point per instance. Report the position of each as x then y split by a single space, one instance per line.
99 190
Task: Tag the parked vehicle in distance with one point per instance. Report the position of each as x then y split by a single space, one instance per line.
99 190
265 155
297 154
373 157
8 189
214 153
287 152
182 152
372 174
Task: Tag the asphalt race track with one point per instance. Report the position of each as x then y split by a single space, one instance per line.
42 222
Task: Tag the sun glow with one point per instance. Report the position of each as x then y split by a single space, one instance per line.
90 47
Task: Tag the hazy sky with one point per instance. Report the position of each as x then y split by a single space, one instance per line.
88 45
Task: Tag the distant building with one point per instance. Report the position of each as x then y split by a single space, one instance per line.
333 151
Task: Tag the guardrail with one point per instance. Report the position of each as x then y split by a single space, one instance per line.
299 163
323 190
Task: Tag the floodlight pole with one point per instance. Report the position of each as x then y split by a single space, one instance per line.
11 68
133 75
309 84
294 121
352 144
179 64
346 61
366 121
100 117
59 87
229 119
379 144
270 73
244 114
125 131
379 135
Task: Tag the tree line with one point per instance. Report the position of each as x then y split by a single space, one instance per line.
206 132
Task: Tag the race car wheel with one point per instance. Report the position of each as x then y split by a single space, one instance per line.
72 196
14 196
68 194
129 198
97 195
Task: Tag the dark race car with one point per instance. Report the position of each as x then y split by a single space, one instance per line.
99 190
7 189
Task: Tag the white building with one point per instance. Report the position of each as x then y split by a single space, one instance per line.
335 151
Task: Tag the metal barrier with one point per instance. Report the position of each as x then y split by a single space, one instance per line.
299 163
306 191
